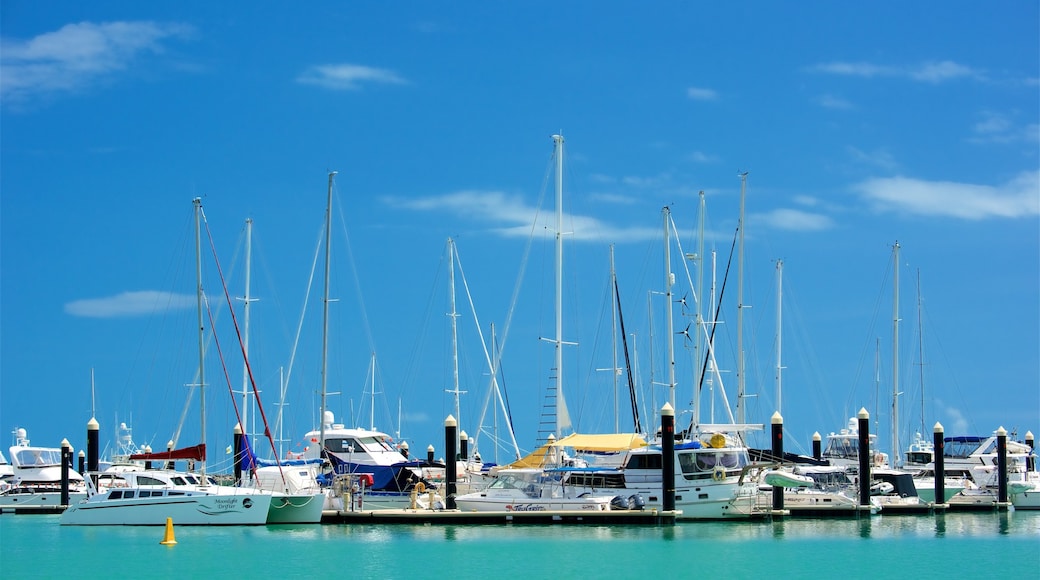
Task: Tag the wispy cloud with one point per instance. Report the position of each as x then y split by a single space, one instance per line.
1016 198
701 94
928 72
833 102
347 77
996 127
509 216
701 157
956 422
612 198
129 304
792 220
878 158
77 55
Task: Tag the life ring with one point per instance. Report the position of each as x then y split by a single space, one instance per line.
420 487
719 473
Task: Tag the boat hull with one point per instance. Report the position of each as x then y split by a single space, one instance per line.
230 508
296 509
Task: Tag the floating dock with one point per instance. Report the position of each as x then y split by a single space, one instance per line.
650 517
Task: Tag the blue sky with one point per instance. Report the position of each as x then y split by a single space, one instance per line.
858 127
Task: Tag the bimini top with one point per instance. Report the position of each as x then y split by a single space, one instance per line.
594 443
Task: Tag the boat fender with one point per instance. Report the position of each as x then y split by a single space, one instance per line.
719 473
420 487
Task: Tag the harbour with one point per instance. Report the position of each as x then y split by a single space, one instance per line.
933 546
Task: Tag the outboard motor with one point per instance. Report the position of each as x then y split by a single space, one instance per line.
636 502
619 503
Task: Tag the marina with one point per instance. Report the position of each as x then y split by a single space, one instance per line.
954 544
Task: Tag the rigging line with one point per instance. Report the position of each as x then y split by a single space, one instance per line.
245 358
487 355
303 311
715 321
628 362
356 279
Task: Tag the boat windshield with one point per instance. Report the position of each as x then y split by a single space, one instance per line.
37 456
701 463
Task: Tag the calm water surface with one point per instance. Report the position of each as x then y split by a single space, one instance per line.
933 546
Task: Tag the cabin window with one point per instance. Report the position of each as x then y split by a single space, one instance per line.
118 494
645 461
177 480
342 445
145 480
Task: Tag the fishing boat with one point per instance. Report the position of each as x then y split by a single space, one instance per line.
527 490
832 492
149 497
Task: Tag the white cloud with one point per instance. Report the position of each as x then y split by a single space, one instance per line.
956 422
347 77
879 158
77 55
129 304
510 217
929 72
612 198
792 219
701 157
833 102
997 127
701 94
1019 197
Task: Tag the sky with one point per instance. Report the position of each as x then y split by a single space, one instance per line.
855 127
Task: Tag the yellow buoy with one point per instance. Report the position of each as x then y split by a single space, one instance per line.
168 539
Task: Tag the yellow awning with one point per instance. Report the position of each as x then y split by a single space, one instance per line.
599 442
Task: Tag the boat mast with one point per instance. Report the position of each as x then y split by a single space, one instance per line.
779 332
920 342
895 356
197 202
698 342
325 319
669 279
613 340
245 329
454 315
562 419
740 303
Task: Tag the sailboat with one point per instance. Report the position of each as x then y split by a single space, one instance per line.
150 497
358 456
297 498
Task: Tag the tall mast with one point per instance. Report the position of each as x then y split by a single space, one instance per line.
197 202
613 338
669 279
245 326
454 315
779 332
895 356
920 342
561 403
698 342
325 319
740 304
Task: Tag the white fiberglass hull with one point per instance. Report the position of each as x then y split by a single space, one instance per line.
16 498
480 502
212 505
296 509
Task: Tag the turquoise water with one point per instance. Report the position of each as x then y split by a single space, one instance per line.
933 546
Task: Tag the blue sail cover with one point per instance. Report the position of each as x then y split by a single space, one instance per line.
397 477
251 461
